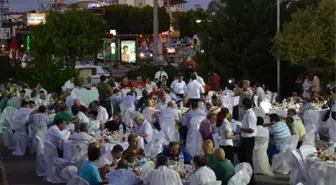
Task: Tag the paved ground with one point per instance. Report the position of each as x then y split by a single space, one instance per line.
21 170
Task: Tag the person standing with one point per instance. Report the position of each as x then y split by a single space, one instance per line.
245 92
194 90
179 86
105 92
248 132
158 75
214 81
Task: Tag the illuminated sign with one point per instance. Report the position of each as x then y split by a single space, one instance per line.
92 5
34 19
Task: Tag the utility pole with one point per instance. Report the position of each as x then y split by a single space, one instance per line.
170 17
156 30
278 56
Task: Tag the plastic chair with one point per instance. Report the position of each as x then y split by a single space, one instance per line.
259 112
40 163
69 172
297 168
76 180
243 174
54 164
309 139
260 158
167 125
280 160
214 183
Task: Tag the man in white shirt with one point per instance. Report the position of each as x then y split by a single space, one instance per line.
194 90
160 74
179 86
162 174
41 99
122 175
102 115
82 136
198 78
111 159
202 174
170 111
248 132
69 85
57 134
246 92
143 128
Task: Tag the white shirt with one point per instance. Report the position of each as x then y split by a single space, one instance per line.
69 85
223 141
194 90
169 112
163 176
82 137
160 74
202 176
200 80
149 87
56 137
178 87
145 128
105 159
124 177
249 121
69 101
82 117
102 115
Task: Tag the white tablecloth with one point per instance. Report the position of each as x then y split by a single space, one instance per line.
85 96
320 172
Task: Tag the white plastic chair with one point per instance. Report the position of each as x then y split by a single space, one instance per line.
297 168
37 129
54 164
280 160
243 174
8 134
214 183
69 172
306 150
128 117
20 140
194 137
260 158
40 163
309 139
259 112
265 106
156 145
76 180
311 120
167 125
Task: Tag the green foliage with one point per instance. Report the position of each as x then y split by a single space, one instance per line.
310 36
134 20
65 36
187 22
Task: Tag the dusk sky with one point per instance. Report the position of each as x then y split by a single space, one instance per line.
24 5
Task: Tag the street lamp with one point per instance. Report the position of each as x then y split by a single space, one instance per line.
155 30
278 56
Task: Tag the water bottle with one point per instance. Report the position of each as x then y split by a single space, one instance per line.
181 104
121 131
181 161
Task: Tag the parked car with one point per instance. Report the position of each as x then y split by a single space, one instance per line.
145 54
94 71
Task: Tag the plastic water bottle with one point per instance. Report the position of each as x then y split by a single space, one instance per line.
181 161
121 131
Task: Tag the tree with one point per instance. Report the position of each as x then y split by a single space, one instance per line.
135 20
237 40
188 24
65 36
310 36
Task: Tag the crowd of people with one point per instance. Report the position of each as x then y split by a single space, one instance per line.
58 118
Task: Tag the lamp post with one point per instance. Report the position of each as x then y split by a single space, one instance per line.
155 30
278 56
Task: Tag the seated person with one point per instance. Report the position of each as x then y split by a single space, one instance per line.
224 169
296 126
102 115
129 99
111 159
65 115
121 175
162 174
56 135
82 136
114 124
173 151
170 111
143 128
115 100
88 170
208 149
79 114
306 105
132 153
194 112
162 104
202 174
295 98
